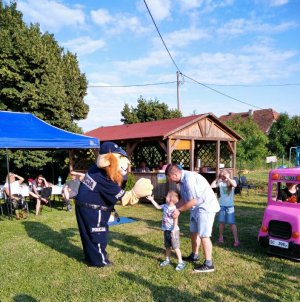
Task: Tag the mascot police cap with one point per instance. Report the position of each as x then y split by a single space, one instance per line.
107 147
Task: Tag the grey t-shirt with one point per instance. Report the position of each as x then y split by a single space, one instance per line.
74 186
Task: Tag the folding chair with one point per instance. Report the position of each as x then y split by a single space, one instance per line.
10 208
46 193
1 207
244 184
237 189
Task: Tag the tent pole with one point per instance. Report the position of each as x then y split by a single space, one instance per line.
7 166
9 212
52 167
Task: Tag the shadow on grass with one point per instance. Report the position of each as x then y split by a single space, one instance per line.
58 241
161 293
23 298
131 244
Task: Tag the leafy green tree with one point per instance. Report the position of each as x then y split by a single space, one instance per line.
283 135
75 84
147 111
38 76
294 132
253 148
280 136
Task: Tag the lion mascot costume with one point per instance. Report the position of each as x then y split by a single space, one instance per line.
99 191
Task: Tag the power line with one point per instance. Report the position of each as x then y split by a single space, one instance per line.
179 72
132 85
161 36
254 85
219 92
193 82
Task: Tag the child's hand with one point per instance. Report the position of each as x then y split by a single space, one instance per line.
150 198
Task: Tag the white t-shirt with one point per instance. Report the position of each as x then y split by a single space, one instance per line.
15 187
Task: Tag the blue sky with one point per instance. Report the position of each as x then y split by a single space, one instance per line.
248 51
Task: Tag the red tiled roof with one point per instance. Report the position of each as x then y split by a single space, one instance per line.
153 129
264 117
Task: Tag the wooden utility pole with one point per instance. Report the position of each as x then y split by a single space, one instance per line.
178 96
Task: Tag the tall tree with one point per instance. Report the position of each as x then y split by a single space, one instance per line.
280 136
284 135
38 76
147 111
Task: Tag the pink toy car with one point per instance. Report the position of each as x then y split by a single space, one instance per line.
280 229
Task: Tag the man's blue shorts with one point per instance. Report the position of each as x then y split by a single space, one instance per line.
226 215
203 224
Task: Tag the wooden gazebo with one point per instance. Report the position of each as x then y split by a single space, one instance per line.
198 142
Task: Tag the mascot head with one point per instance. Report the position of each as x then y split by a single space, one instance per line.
113 159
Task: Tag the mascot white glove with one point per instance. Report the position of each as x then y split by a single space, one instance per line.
142 188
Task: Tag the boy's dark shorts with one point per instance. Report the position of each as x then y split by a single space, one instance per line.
171 240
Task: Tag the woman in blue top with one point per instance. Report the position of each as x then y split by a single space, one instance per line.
226 187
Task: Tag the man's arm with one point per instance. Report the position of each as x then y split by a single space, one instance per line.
186 206
181 207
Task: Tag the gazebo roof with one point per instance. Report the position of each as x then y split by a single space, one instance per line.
154 129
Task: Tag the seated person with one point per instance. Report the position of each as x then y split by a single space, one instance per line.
142 167
14 193
70 188
290 193
161 166
42 190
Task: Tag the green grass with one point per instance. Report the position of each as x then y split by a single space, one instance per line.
42 260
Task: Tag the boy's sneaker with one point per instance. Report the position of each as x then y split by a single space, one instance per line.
165 263
203 268
191 258
180 266
69 208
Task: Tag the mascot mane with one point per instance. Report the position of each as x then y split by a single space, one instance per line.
112 170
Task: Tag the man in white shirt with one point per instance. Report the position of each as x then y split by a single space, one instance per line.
198 197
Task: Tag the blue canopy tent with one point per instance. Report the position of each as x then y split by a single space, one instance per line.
20 130
25 131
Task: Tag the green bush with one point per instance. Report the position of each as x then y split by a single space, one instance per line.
130 182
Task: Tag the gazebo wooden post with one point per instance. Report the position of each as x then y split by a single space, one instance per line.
218 152
192 155
169 151
234 158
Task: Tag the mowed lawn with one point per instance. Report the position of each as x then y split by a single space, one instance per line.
42 260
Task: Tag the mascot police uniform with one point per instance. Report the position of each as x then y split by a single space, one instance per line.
98 193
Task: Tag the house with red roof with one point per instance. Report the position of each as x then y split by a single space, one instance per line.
264 118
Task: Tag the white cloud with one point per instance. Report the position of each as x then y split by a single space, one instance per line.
184 37
252 65
117 24
238 27
106 104
101 16
206 6
278 2
84 45
51 15
160 9
142 65
190 4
